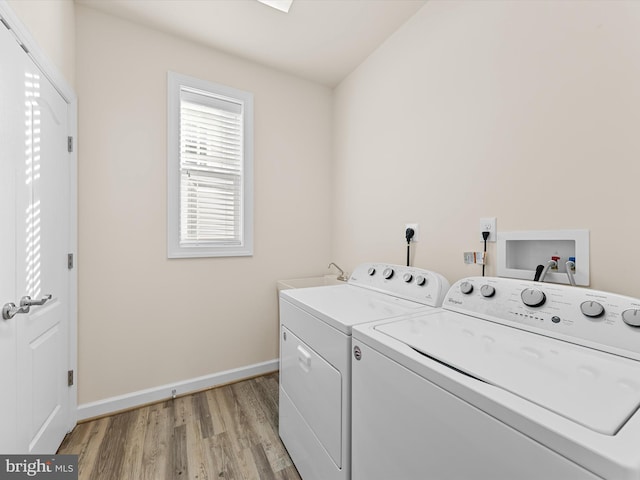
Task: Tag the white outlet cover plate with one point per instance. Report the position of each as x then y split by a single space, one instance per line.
488 224
416 231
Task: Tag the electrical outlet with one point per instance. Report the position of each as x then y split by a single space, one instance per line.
416 231
488 224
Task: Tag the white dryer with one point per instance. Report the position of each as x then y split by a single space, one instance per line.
315 357
510 380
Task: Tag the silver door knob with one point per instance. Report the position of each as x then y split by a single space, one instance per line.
10 310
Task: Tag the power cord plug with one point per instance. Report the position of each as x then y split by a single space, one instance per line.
485 235
409 233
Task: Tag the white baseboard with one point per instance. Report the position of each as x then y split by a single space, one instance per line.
162 392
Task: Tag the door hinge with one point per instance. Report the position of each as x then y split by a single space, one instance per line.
70 378
70 261
70 144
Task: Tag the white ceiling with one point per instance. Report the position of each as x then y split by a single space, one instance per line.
321 40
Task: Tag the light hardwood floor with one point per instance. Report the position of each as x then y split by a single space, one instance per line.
229 432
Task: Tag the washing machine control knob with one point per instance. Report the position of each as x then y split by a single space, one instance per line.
466 287
487 291
387 273
407 277
592 309
532 297
631 317
421 280
371 271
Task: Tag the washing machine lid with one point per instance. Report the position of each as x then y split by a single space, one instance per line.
343 306
595 389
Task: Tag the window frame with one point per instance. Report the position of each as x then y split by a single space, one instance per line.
175 249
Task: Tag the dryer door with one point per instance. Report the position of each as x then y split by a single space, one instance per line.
315 388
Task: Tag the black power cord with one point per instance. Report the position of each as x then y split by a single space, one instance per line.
409 233
485 235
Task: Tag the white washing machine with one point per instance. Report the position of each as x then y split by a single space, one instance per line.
315 357
510 380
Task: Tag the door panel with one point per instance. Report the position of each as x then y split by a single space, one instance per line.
45 394
11 148
315 388
35 120
43 333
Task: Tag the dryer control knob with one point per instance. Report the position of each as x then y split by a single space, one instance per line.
466 287
421 280
487 291
631 317
407 277
592 309
371 271
387 273
533 297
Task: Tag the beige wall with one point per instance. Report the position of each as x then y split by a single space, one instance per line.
526 111
146 320
52 25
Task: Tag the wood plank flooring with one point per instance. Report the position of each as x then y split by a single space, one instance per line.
229 432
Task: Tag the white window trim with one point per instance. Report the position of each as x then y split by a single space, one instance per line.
174 249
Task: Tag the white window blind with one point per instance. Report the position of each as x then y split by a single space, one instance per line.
210 169
212 173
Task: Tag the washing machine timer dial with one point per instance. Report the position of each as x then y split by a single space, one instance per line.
487 291
592 309
466 287
421 280
631 317
532 297
387 273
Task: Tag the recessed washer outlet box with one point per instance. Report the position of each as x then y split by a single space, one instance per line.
519 253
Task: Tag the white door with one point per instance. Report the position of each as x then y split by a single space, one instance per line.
40 224
11 148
